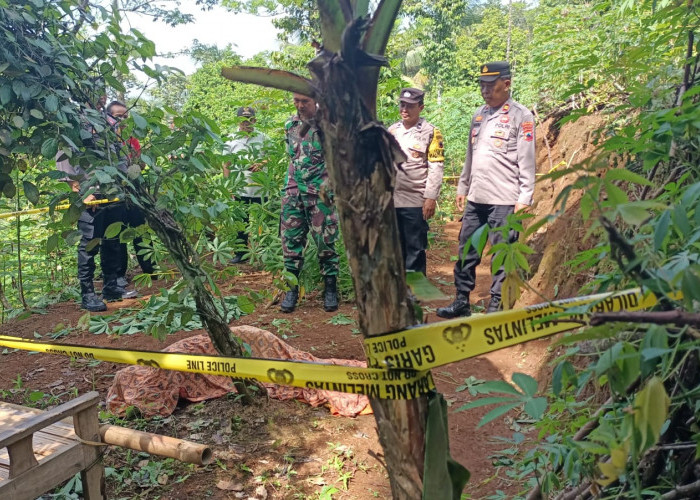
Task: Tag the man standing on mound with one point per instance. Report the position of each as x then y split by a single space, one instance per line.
307 204
498 179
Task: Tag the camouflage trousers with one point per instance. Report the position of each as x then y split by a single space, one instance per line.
301 213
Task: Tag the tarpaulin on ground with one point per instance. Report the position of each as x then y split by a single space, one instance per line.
156 392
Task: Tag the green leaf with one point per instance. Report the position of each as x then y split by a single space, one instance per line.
49 148
31 192
37 114
615 195
139 120
422 288
333 22
650 411
18 121
497 412
113 230
661 229
536 407
632 214
51 243
526 383
275 78
478 403
622 174
51 103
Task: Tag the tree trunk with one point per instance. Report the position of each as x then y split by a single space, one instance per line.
188 263
359 156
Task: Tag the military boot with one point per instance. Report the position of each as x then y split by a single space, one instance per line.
89 299
460 307
113 291
494 304
330 294
289 303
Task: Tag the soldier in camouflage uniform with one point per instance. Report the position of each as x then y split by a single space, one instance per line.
308 204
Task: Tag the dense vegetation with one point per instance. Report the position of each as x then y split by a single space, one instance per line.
623 421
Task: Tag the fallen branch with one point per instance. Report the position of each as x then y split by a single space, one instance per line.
656 317
685 491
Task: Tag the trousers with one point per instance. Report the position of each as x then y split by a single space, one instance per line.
413 232
92 225
475 216
302 213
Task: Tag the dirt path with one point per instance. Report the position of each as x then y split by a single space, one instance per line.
274 449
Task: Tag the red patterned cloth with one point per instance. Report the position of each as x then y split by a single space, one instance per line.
156 392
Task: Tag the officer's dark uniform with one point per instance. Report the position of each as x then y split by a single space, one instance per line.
92 224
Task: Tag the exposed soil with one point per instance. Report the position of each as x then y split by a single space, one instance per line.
276 449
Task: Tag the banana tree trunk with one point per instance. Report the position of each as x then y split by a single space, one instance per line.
359 156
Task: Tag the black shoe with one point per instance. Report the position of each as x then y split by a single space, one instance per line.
238 258
90 300
494 305
122 281
289 302
330 294
112 291
460 307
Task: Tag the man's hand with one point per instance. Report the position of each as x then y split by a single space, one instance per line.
459 201
88 198
521 206
428 208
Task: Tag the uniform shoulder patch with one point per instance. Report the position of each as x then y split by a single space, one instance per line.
528 129
436 150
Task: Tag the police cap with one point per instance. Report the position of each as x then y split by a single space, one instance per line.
411 95
494 70
245 111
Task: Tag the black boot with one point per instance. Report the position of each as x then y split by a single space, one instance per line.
113 291
494 304
289 303
330 294
290 299
460 307
122 281
90 300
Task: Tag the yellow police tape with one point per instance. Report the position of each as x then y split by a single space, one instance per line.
31 211
398 362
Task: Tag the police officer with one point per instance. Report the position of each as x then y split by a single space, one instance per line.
498 179
307 204
418 179
247 145
92 224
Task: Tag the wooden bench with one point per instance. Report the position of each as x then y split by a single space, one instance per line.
39 451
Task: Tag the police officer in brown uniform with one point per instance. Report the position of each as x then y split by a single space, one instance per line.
498 179
418 179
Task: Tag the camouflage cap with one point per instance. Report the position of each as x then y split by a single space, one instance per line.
492 71
246 111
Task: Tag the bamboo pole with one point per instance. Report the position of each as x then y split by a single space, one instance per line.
155 444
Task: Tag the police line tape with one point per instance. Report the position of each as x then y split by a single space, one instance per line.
32 211
399 363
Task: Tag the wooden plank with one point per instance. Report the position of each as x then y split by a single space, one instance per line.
21 456
29 426
87 427
45 477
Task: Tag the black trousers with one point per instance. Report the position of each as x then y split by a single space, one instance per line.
243 235
413 232
475 216
92 224
134 217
